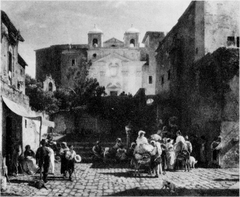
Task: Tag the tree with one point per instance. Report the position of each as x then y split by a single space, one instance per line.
38 99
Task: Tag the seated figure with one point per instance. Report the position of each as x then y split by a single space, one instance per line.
29 162
97 150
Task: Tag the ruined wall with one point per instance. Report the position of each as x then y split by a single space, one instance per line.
214 105
48 62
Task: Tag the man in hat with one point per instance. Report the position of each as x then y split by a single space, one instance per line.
43 160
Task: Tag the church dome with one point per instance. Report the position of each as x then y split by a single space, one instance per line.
95 30
132 30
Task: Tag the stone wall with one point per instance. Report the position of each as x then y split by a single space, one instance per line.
66 122
49 62
73 63
214 101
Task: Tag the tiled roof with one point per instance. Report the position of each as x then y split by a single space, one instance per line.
21 61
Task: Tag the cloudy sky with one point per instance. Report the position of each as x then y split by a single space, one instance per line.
46 23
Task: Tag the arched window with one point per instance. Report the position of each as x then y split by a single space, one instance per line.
132 43
95 42
50 86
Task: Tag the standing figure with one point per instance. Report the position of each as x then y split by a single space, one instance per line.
203 151
52 159
189 144
156 166
70 156
63 150
43 160
17 150
128 130
216 148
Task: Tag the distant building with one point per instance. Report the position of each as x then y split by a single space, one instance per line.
193 94
119 66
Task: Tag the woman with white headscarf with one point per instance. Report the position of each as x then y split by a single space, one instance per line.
141 139
142 143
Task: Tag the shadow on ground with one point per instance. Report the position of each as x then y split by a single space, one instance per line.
130 174
178 192
226 179
109 165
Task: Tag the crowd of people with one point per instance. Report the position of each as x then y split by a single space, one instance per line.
43 161
160 151
170 144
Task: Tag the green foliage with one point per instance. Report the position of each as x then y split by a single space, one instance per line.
40 100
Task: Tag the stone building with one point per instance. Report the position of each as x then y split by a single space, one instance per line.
18 124
120 66
204 27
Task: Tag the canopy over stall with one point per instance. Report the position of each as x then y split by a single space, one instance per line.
22 111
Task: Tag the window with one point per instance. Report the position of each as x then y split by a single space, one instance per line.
147 59
73 62
95 42
50 86
25 123
237 41
18 85
113 93
21 72
230 40
169 74
113 45
9 61
132 43
196 50
150 79
94 55
162 80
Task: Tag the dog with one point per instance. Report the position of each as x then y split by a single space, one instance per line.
168 185
192 162
39 184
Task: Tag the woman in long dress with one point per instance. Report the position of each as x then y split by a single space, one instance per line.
52 160
70 156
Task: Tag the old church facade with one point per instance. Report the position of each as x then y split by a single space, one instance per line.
119 66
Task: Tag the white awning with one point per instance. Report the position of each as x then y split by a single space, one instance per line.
22 111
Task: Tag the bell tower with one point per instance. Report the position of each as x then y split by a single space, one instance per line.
95 38
131 37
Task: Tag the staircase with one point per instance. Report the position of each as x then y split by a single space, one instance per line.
84 149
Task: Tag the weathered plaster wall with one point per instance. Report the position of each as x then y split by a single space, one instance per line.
221 19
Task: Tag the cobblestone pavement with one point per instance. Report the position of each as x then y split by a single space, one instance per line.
98 180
